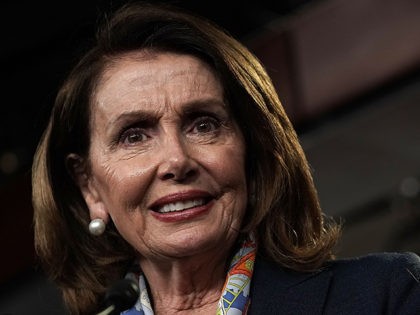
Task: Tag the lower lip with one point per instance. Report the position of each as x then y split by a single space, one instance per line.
177 216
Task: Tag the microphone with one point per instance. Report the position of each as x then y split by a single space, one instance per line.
120 297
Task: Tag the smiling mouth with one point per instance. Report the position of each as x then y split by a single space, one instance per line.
182 205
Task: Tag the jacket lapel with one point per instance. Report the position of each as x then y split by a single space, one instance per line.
277 291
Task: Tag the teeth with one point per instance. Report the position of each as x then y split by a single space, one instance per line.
181 205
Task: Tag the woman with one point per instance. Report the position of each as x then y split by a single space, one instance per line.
169 159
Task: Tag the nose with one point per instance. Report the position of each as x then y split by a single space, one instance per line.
176 162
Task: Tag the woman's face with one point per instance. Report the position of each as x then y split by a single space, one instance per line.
167 160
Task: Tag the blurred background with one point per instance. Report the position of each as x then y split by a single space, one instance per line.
348 73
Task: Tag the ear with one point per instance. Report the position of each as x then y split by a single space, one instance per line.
79 171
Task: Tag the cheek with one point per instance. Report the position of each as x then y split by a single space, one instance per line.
227 166
123 183
233 161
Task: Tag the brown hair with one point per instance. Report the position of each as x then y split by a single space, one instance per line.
283 212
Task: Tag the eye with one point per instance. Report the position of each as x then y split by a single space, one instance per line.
132 136
205 125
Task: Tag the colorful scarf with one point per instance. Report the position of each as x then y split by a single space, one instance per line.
235 294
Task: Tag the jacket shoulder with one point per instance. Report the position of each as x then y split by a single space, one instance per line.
380 261
387 258
384 281
379 266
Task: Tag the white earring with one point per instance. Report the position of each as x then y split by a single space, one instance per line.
97 227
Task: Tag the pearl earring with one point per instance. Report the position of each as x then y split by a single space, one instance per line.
97 227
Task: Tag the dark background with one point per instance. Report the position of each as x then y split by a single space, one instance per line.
348 74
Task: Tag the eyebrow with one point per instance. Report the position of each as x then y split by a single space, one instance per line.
137 115
151 115
200 105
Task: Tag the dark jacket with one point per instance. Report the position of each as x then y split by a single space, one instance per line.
374 284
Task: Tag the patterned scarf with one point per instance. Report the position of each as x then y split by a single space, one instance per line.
235 294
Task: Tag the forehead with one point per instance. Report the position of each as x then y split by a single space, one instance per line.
145 75
144 68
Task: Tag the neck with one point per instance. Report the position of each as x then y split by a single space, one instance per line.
186 285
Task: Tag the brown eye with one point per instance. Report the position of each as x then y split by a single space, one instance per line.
205 125
132 136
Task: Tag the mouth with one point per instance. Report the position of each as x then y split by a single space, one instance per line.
181 205
181 202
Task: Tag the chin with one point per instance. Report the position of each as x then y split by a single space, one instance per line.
190 244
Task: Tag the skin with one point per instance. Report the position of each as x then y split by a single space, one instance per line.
162 132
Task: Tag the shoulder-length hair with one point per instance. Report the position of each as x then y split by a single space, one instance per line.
283 209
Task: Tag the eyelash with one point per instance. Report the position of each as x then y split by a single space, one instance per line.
141 136
206 120
131 131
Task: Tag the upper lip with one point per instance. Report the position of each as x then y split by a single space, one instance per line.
180 196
